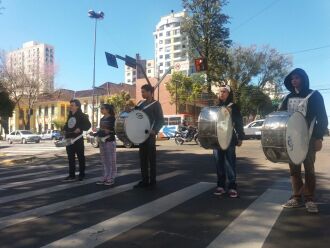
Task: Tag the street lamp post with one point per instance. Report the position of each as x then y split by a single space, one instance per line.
96 16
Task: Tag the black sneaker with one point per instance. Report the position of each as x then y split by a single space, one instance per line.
140 184
69 179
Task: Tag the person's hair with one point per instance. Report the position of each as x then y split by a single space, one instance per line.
76 102
109 108
147 87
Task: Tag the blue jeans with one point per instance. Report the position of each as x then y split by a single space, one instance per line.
226 167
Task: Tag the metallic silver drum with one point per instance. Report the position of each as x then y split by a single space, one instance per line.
133 127
215 127
285 137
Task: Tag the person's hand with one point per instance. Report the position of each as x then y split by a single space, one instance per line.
77 130
318 145
239 142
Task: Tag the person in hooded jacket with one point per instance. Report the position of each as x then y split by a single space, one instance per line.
297 82
76 123
226 159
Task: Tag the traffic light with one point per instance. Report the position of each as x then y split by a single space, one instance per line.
200 64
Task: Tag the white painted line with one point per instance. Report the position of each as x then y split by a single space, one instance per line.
37 180
251 228
106 230
25 175
51 189
59 206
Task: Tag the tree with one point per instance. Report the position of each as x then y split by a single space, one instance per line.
253 101
6 108
23 88
249 65
120 101
207 35
59 123
184 89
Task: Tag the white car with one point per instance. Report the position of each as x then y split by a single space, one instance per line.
253 129
23 136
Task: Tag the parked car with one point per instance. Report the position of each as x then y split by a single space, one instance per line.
52 134
23 136
91 139
253 129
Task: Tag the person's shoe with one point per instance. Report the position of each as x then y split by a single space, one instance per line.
219 191
293 203
233 193
311 207
140 184
101 182
80 178
109 182
69 179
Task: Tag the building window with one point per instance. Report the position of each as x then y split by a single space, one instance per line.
177 47
177 39
128 74
167 49
168 41
160 41
168 33
134 72
21 114
160 49
168 64
177 55
161 27
161 71
46 111
149 71
161 64
62 110
149 64
52 110
167 56
160 34
176 31
176 24
161 56
39 110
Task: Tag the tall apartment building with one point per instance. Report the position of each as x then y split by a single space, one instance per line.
131 74
171 47
36 60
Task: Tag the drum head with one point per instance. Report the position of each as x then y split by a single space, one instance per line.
137 126
224 128
297 138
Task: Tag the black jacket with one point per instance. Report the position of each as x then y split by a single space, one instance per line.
238 132
74 121
315 105
107 123
155 114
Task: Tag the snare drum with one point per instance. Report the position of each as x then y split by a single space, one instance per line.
215 127
285 137
133 127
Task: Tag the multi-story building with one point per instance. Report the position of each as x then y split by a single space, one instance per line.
35 60
171 46
131 74
150 68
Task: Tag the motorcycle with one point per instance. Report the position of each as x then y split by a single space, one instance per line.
188 135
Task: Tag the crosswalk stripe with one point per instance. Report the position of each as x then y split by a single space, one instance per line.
106 230
252 226
59 206
37 180
25 175
56 188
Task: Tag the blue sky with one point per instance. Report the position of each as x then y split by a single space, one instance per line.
288 25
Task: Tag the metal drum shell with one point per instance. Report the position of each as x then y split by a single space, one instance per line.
210 127
125 125
275 141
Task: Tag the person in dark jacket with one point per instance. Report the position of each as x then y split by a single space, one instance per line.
310 103
76 123
147 150
107 143
226 159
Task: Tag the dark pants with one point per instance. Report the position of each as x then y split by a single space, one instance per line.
147 152
72 150
226 167
298 187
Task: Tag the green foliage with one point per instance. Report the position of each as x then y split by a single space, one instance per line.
208 37
253 101
7 106
120 101
59 123
184 89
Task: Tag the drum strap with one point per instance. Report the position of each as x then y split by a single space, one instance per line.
72 141
145 107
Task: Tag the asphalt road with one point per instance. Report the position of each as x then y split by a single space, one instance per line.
38 209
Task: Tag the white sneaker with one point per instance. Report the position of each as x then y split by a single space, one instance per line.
311 207
219 191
